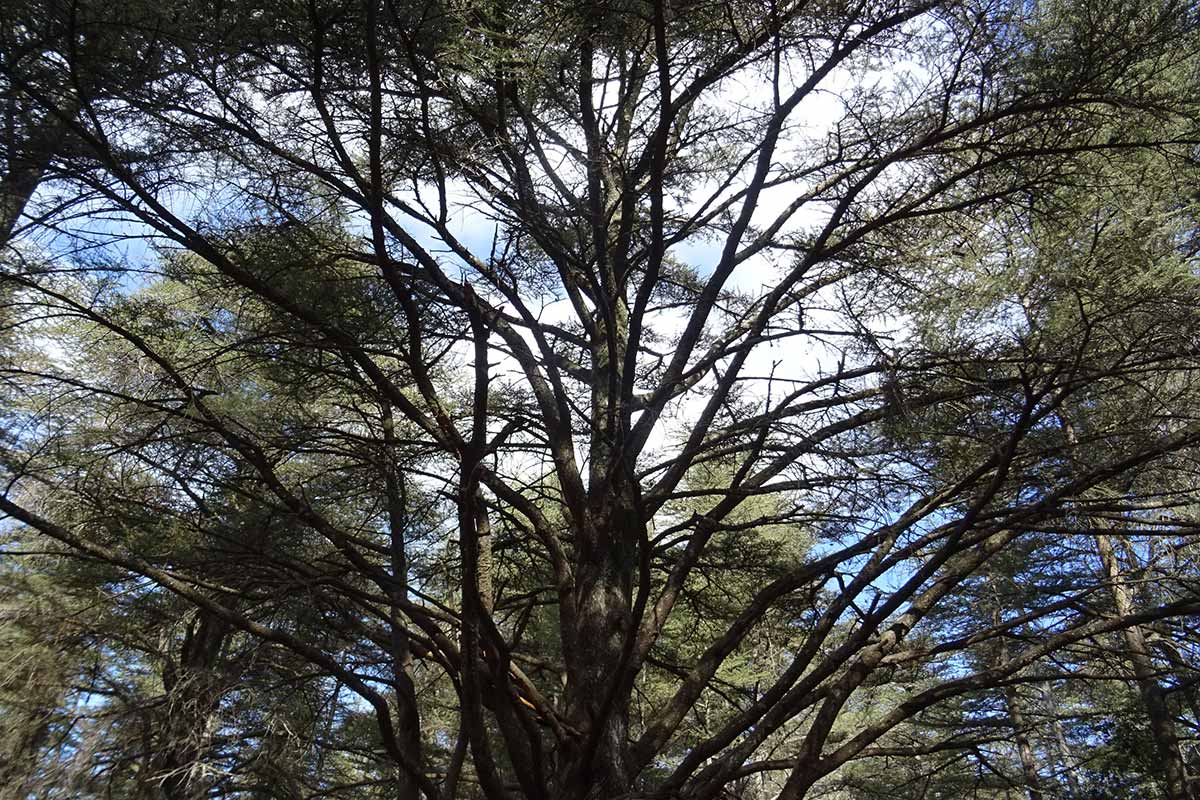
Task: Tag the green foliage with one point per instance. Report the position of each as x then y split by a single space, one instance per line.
595 401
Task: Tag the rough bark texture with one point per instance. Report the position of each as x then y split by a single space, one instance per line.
193 687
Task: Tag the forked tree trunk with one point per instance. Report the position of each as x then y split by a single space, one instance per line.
599 765
193 694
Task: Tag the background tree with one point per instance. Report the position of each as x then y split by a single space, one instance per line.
604 401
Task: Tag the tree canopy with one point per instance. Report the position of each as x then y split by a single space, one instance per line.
642 399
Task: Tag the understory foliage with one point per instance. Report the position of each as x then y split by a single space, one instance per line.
642 399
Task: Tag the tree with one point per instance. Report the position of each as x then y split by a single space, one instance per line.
611 399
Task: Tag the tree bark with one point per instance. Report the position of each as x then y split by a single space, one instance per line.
193 694
597 703
1016 714
1065 756
1162 725
1020 726
408 722
26 164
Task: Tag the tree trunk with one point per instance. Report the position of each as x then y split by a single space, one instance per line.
1162 726
408 722
1016 717
27 161
1029 766
1065 756
597 701
600 765
193 693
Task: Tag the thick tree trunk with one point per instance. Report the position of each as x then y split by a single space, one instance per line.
27 161
28 151
600 765
597 700
193 694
